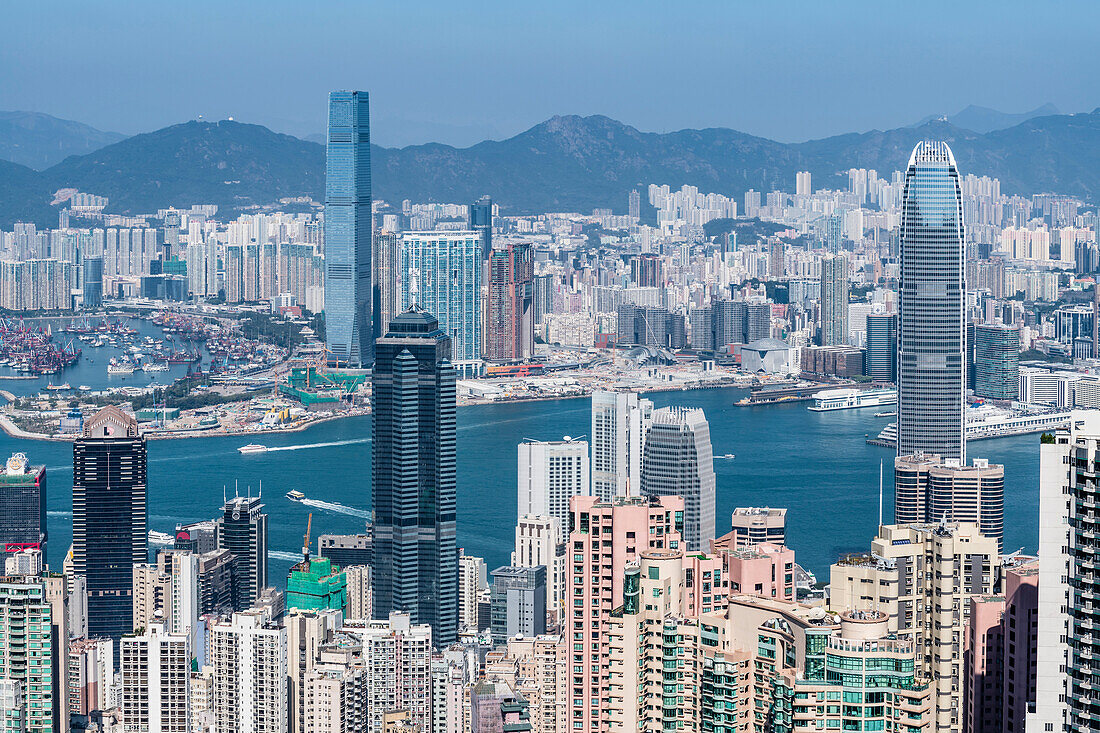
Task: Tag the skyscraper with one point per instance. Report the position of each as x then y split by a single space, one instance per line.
249 657
882 347
441 274
549 474
480 216
634 204
802 183
242 529
620 421
508 328
155 673
834 300
92 281
997 362
109 517
385 262
22 505
348 230
834 233
415 556
678 461
931 335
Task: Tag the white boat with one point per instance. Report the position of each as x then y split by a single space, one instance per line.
120 368
848 399
155 367
728 456
162 539
253 448
295 495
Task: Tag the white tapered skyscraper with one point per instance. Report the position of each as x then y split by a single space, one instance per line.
931 331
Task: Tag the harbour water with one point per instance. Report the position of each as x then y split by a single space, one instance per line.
817 465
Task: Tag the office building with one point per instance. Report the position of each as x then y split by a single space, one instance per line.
881 360
550 473
249 659
440 274
32 656
607 534
22 505
620 422
539 541
346 549
756 525
931 334
413 490
997 362
834 300
480 218
109 517
385 281
509 334
155 677
922 576
242 530
518 602
92 282
677 461
930 489
348 230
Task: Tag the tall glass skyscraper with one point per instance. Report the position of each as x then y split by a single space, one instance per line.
834 300
415 555
931 335
441 273
348 231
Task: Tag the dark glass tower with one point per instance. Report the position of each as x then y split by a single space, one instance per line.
931 332
415 555
22 505
481 221
882 347
109 517
348 231
242 529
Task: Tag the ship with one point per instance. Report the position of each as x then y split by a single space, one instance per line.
117 367
253 448
58 387
849 399
155 367
162 539
295 495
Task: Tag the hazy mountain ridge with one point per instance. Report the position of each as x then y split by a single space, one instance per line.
567 163
39 140
984 119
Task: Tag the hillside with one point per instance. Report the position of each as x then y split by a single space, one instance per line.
38 140
567 163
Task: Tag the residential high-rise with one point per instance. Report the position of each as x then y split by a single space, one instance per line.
413 491
385 280
931 332
834 300
348 229
881 362
834 233
397 655
997 362
1069 591
518 602
620 421
360 589
922 577
678 461
249 657
539 541
91 675
802 183
930 489
550 473
109 517
758 525
758 321
22 505
307 632
155 676
473 581
32 655
634 204
441 274
605 536
508 328
242 529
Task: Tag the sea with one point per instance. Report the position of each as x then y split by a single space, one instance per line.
817 465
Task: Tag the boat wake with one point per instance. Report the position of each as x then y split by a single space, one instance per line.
318 445
59 514
280 555
338 508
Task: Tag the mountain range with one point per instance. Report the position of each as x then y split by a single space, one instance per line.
984 119
39 141
567 163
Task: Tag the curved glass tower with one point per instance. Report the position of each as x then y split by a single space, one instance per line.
931 334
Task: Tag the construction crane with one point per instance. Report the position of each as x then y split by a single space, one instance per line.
305 541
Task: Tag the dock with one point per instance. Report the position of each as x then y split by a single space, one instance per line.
767 396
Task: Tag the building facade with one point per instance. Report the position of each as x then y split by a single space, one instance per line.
550 474
620 422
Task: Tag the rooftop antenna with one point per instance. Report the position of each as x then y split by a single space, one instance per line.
236 488
261 494
880 492
224 499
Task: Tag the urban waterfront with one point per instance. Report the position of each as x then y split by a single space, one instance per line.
815 464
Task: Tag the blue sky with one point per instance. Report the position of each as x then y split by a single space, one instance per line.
458 72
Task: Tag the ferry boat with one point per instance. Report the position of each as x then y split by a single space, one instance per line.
848 399
155 367
295 495
58 387
116 367
162 539
253 448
